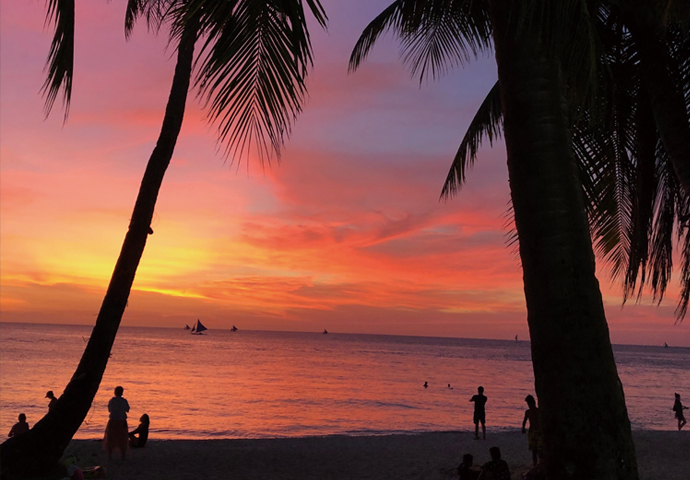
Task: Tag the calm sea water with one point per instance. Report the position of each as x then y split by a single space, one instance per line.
251 384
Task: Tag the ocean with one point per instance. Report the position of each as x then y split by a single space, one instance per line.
259 384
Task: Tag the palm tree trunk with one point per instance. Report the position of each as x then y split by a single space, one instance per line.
39 450
583 412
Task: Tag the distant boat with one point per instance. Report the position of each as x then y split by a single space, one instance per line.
665 345
233 329
325 331
198 328
186 327
516 338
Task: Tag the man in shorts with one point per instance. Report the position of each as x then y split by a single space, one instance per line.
479 413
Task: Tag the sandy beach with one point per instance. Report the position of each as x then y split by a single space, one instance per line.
660 454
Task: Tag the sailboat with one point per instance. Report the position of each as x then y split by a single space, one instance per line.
198 328
233 329
325 332
186 327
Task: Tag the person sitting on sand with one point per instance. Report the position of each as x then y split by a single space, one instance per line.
142 431
20 427
479 412
116 434
678 408
496 469
53 400
534 436
465 470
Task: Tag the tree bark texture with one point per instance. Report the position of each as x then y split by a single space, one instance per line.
38 450
583 413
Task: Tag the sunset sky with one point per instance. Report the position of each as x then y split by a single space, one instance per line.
346 233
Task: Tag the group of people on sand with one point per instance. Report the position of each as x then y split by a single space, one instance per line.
497 469
116 437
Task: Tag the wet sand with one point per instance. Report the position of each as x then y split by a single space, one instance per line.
661 455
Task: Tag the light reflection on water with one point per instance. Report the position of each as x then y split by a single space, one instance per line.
251 384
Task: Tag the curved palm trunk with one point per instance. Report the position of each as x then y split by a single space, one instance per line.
39 450
586 427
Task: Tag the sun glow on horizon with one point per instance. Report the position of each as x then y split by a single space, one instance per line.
347 231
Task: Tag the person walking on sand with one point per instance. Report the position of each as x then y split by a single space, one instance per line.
534 436
479 412
116 433
20 427
53 400
678 408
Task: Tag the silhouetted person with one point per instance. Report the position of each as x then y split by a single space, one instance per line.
116 433
426 384
534 436
465 470
678 408
479 412
20 427
449 387
496 469
53 400
139 436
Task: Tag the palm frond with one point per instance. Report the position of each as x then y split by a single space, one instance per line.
435 35
60 64
154 11
252 69
487 122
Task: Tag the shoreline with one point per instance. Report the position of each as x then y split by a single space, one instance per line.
436 455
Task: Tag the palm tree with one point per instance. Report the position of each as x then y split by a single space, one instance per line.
637 194
543 51
635 197
251 70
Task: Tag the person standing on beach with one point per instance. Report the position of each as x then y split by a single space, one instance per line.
116 432
534 436
479 412
53 400
20 427
678 408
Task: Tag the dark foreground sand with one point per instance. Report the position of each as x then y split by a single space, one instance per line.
661 455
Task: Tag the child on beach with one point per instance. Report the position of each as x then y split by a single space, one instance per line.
20 427
142 431
534 436
479 412
116 435
678 408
